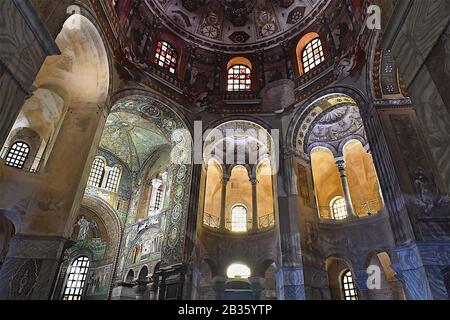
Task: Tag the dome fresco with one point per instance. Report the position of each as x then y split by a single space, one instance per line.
236 23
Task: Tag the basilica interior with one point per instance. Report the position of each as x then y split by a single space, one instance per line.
225 150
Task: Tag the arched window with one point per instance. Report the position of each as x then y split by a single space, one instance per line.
312 55
17 155
309 52
348 286
112 183
238 271
239 74
338 208
97 173
76 279
239 219
166 56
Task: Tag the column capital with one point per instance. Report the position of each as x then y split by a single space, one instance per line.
341 165
226 178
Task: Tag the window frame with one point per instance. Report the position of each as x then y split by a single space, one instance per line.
309 57
14 152
117 175
161 60
234 82
79 288
99 177
239 226
159 199
336 215
351 292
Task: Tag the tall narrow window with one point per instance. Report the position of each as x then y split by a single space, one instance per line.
166 56
239 219
97 173
312 55
348 286
113 179
239 78
339 208
17 155
76 279
159 199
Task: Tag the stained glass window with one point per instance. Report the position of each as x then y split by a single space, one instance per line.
348 286
113 179
239 78
312 55
97 173
17 155
339 208
166 56
76 279
239 219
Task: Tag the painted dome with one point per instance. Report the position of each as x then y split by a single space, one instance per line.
237 25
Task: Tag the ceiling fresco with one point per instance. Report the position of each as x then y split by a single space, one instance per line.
131 138
236 22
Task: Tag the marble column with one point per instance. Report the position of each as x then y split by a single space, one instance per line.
223 201
254 183
348 199
290 277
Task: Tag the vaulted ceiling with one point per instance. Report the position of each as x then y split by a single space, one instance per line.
131 138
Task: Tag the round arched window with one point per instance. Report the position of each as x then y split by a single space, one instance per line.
239 218
76 279
348 286
339 208
312 55
238 271
17 155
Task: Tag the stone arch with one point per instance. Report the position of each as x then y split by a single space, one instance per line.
302 108
335 266
390 288
129 276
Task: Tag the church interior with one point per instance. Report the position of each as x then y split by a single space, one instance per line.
225 150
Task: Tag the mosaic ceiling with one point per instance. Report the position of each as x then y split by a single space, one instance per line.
215 23
131 138
336 125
